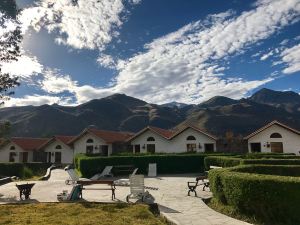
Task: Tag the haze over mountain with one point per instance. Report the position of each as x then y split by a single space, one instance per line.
121 112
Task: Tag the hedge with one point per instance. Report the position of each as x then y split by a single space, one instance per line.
23 170
239 160
166 163
269 198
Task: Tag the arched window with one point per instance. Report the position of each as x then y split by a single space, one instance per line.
275 135
89 141
150 139
12 148
191 138
58 147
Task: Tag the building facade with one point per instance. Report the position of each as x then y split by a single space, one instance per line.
188 139
274 137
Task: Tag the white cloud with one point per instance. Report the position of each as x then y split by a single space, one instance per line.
35 100
83 25
25 67
291 56
182 65
266 56
106 61
55 83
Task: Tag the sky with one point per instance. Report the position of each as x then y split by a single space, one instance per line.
159 51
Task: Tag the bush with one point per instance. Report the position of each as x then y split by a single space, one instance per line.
269 198
23 170
166 163
271 161
221 161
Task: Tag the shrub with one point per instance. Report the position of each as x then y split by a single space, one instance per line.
269 198
167 163
271 161
23 170
221 161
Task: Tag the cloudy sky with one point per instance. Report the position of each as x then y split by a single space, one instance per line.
156 50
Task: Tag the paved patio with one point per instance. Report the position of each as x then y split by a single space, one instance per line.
172 198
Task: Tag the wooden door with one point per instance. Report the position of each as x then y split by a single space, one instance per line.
57 157
277 147
25 157
151 148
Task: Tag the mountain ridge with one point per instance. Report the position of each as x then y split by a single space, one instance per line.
120 112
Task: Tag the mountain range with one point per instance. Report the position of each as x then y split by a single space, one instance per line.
124 113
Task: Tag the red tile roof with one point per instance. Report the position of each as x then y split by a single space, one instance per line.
64 139
162 132
107 136
29 144
111 136
269 125
169 134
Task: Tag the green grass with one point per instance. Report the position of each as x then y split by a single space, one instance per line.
78 213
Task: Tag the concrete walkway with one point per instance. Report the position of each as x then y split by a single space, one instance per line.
172 198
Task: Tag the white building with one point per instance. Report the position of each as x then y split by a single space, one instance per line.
274 137
58 150
188 139
62 149
21 149
94 141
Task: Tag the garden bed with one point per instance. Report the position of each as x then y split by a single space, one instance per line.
78 213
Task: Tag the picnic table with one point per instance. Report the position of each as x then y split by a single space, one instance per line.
111 183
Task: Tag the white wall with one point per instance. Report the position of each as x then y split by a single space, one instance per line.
5 151
290 140
80 144
176 145
66 152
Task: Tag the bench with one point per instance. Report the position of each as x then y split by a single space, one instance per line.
112 187
201 180
123 169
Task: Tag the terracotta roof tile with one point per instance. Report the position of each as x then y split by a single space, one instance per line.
29 144
111 136
162 132
64 139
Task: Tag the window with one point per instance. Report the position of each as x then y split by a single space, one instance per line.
58 147
191 138
89 149
191 147
275 135
89 141
150 139
12 148
255 147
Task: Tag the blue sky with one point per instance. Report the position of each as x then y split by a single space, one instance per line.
156 50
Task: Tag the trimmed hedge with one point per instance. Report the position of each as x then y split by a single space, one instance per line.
23 170
270 199
221 161
240 160
166 163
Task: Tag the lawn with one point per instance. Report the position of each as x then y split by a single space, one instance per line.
78 213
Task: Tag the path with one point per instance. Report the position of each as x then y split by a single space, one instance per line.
172 198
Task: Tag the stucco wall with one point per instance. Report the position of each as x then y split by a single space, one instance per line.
66 152
80 144
176 145
4 153
290 140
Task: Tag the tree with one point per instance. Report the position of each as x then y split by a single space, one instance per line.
9 47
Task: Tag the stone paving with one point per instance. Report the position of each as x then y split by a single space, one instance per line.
172 198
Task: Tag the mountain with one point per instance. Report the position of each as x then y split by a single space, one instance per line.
124 113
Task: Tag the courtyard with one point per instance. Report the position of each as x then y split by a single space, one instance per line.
170 194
